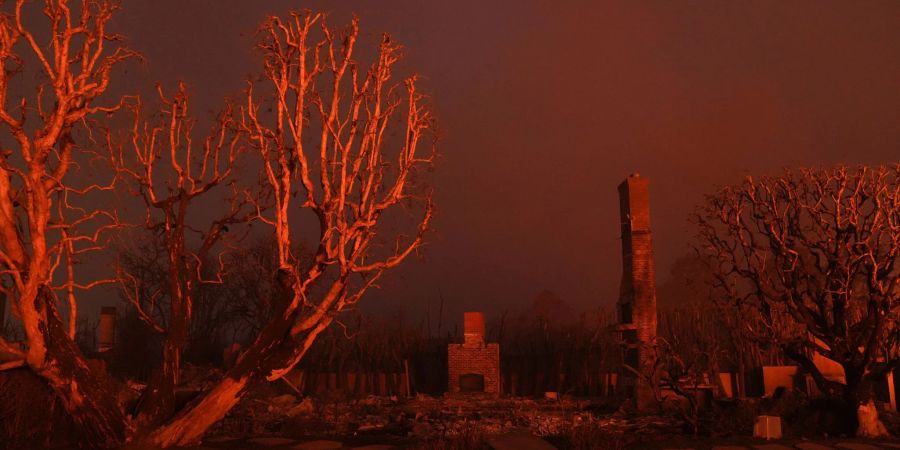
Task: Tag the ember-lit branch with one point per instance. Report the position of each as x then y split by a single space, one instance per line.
10 349
131 289
74 63
11 364
346 144
356 181
72 243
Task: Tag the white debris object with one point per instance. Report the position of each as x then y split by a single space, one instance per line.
869 424
767 427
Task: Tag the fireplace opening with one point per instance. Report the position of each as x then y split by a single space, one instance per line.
471 382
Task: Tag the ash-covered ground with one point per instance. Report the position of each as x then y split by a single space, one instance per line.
269 418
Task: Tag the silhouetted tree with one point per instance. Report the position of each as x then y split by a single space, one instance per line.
705 328
814 252
172 174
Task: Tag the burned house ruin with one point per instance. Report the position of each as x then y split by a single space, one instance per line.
637 295
473 366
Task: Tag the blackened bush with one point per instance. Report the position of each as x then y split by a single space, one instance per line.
30 415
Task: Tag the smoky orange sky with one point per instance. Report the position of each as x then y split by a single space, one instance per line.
545 106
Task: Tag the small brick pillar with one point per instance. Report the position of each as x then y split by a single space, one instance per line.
473 359
106 334
637 296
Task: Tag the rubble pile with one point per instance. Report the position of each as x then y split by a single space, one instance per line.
425 418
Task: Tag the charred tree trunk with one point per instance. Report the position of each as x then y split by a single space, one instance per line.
190 425
85 394
846 396
856 391
160 393
161 405
274 348
181 279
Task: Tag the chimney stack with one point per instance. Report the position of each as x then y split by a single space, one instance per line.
107 331
637 295
473 330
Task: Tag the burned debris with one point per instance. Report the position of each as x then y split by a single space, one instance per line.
630 382
179 269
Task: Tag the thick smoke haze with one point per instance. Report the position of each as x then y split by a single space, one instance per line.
544 107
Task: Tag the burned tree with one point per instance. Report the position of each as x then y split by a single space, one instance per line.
357 175
42 221
341 144
172 174
814 253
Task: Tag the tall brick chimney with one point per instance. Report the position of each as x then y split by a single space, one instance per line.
106 338
637 296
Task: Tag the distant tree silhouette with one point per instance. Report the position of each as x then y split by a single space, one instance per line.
814 252
704 328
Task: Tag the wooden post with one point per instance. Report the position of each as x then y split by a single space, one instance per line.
301 380
2 313
351 382
291 385
382 383
892 394
406 377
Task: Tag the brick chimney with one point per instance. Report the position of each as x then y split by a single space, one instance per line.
637 295
107 329
473 330
473 366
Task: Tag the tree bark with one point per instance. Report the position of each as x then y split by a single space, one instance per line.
275 348
189 426
159 395
192 422
160 392
84 393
